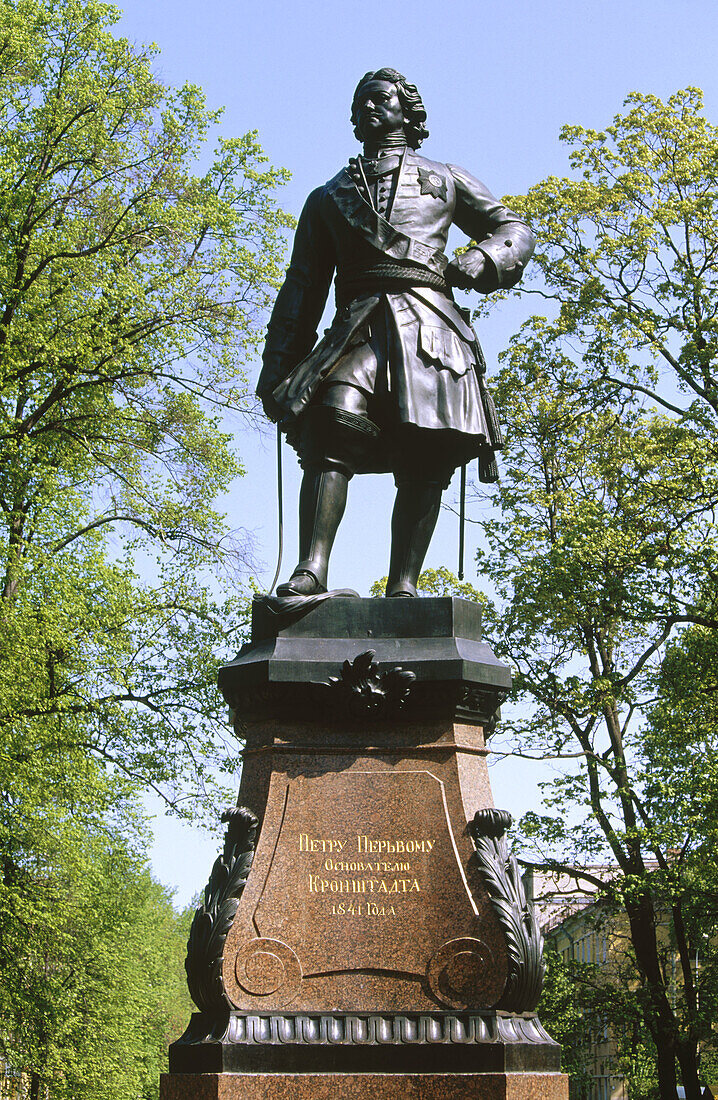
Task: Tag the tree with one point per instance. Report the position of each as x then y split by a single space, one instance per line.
131 294
135 269
91 948
438 582
605 546
628 253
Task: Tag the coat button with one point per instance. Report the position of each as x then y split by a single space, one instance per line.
508 243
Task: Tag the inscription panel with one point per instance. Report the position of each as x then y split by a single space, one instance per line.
365 874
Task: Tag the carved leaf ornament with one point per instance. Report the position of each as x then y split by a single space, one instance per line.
518 917
364 691
213 920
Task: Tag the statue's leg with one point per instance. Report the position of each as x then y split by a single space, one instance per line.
423 466
416 511
322 500
335 436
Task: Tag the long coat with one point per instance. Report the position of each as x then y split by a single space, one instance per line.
435 363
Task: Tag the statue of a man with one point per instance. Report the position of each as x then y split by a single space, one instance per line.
397 382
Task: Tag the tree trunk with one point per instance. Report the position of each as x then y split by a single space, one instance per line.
666 1069
688 1060
660 1018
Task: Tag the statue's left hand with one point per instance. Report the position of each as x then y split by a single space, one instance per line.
467 269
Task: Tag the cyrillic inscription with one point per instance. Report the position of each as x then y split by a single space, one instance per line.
350 875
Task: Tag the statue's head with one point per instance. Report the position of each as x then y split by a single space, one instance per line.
412 111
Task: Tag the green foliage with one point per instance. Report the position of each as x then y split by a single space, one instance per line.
135 271
682 796
594 1010
627 252
91 948
605 549
563 1013
438 582
132 292
604 544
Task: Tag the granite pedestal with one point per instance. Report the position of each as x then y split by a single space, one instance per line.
364 932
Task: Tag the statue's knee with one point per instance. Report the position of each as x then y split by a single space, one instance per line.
422 456
336 439
432 475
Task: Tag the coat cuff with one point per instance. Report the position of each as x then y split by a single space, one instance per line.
506 250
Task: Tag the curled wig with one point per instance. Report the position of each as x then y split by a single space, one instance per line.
414 110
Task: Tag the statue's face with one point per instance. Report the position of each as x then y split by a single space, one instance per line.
378 109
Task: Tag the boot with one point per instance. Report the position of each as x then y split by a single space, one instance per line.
416 511
322 501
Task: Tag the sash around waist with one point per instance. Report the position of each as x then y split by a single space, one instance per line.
384 277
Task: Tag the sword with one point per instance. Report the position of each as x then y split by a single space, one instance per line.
462 517
280 512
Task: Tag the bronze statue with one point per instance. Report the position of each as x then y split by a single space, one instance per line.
397 382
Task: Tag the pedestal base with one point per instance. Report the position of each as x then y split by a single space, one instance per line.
364 1086
365 932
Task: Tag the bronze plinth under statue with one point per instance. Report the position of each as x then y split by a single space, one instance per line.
397 381
365 931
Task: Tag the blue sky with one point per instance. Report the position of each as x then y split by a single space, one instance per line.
498 81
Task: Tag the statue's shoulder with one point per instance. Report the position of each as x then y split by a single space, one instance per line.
417 161
341 179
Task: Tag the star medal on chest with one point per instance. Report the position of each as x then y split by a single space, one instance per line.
431 183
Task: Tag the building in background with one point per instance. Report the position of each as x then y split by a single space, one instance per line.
578 927
583 929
